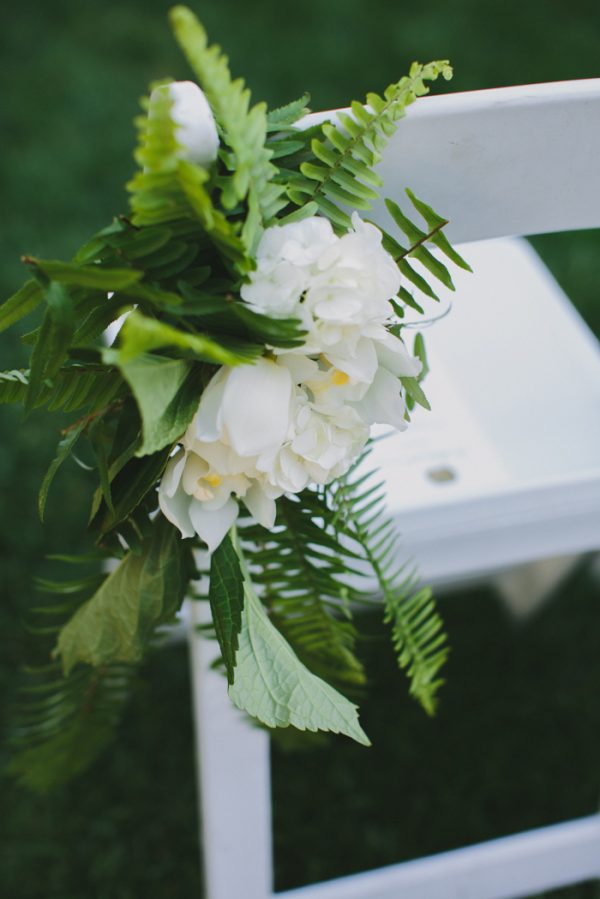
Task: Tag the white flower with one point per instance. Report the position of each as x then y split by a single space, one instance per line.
339 287
326 439
285 260
199 498
247 408
196 128
279 424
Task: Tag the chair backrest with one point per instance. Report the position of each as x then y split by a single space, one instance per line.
509 161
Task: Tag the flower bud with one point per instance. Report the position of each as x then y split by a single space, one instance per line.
196 127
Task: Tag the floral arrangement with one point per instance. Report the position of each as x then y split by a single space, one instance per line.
226 347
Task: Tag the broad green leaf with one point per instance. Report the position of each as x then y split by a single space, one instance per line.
167 392
24 301
141 334
271 683
226 595
64 450
143 591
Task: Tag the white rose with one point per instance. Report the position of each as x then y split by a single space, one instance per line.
196 127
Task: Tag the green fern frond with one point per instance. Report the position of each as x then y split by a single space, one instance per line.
243 128
59 725
300 571
285 117
73 387
347 151
168 189
417 628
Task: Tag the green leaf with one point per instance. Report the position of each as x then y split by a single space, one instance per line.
143 591
24 301
284 116
134 480
167 392
53 340
64 450
439 239
417 628
92 276
272 684
414 390
141 334
71 388
226 595
224 234
244 128
61 724
353 145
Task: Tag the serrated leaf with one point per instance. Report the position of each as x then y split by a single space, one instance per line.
142 591
226 595
272 684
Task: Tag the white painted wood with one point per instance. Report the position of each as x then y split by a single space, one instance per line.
234 781
513 160
507 868
515 393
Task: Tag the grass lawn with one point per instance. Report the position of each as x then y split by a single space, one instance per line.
514 745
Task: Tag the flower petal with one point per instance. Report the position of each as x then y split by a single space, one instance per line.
261 506
176 509
383 402
211 526
256 407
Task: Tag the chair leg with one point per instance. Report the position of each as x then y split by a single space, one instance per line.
233 781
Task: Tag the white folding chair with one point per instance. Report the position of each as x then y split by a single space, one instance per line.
504 470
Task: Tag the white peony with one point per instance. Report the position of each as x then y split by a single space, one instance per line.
302 416
243 412
196 127
339 287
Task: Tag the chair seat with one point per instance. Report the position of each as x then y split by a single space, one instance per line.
506 468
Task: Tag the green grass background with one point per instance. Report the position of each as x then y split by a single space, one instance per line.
515 744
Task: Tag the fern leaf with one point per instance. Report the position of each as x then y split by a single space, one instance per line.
349 150
73 387
244 128
300 571
417 628
283 117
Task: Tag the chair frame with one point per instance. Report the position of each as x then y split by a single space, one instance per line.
497 163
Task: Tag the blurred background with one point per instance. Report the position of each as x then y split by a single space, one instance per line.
515 742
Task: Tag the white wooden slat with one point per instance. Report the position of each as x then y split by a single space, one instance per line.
515 160
507 868
521 436
234 780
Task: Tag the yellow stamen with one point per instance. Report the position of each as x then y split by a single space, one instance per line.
213 479
339 378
